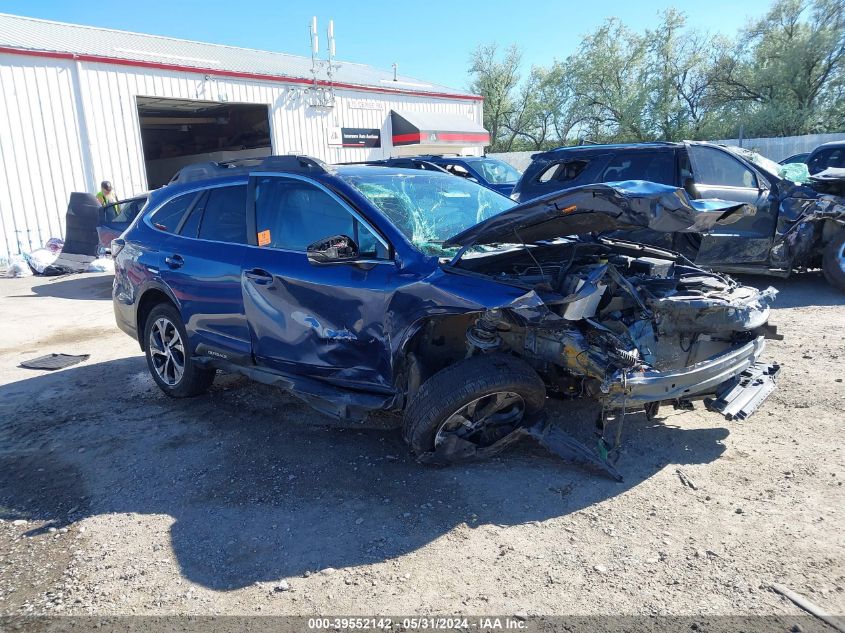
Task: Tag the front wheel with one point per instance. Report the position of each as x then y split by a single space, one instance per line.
168 355
470 409
833 261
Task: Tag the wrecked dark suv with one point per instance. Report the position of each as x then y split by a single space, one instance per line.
791 226
366 288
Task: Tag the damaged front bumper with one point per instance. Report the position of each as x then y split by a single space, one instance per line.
705 378
737 382
739 398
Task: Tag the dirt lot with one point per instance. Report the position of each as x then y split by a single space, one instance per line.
118 500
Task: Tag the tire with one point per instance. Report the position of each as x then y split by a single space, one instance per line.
163 359
833 261
481 380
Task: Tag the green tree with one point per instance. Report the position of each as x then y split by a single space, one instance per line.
565 113
784 75
531 123
496 80
679 79
609 73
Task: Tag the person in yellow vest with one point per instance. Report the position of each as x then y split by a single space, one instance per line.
106 195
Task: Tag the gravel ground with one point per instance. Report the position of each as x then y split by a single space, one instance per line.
117 500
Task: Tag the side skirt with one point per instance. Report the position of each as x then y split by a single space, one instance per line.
334 401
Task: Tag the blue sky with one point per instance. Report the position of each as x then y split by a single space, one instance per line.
429 40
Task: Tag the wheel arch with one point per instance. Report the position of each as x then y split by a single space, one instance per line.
436 341
427 347
151 297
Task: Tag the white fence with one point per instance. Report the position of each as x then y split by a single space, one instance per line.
520 160
776 148
782 147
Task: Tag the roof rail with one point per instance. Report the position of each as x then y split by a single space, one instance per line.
202 171
295 163
237 167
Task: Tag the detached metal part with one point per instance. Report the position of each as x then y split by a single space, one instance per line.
557 441
550 436
741 397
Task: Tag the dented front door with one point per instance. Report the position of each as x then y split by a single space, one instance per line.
318 320
719 174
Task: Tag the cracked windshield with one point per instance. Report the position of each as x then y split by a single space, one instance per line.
430 208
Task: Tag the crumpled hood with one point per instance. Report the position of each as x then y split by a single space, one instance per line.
633 204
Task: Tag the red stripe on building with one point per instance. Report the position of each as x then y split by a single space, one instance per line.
470 137
453 137
227 73
414 137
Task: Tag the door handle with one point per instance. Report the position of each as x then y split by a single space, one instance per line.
259 276
174 261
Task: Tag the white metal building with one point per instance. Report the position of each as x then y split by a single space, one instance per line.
79 105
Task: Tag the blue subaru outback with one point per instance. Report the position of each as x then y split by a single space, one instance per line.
362 288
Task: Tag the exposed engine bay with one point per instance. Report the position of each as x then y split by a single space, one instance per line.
618 313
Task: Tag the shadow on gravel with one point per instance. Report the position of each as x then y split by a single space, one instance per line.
799 290
81 286
260 488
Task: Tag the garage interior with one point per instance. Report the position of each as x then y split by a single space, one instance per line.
178 132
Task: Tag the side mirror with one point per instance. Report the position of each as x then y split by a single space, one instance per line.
333 250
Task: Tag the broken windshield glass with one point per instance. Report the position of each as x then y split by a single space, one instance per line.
758 159
429 208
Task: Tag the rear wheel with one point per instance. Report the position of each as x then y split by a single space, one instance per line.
476 403
833 261
168 355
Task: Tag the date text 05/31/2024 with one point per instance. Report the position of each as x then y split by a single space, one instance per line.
417 623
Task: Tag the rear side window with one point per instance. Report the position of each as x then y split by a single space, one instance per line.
563 172
224 215
168 217
652 166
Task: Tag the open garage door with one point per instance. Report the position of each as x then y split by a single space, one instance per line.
178 132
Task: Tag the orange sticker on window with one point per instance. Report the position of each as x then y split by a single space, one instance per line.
264 238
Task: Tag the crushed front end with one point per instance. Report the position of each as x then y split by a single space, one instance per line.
631 327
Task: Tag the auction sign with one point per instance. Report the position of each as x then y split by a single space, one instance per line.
355 137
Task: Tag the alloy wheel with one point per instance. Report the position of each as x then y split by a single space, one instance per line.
167 351
485 420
